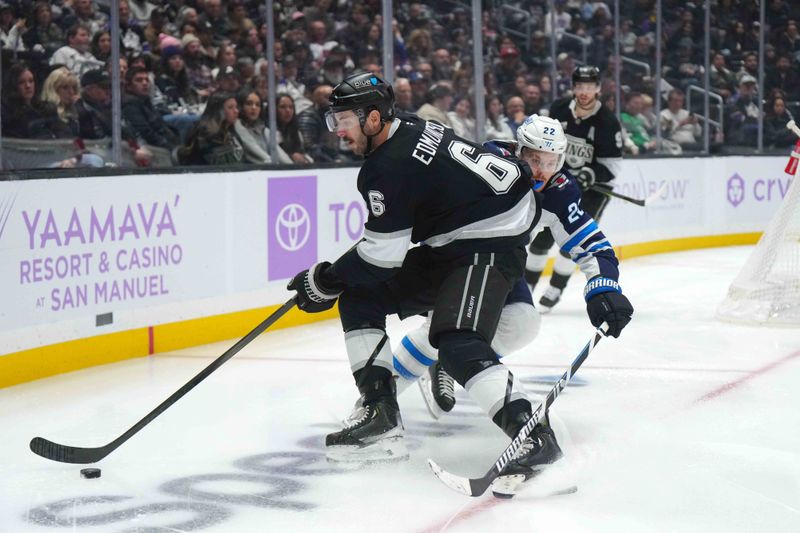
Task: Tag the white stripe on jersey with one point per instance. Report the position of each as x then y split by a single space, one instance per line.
384 250
513 222
588 264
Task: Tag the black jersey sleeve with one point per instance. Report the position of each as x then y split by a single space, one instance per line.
390 201
607 161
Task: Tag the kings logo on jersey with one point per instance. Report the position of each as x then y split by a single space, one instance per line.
579 152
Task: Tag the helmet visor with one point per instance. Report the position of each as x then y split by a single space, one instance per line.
340 121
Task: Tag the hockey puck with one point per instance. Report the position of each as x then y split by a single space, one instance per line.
90 473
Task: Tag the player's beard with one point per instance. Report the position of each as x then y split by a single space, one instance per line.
359 144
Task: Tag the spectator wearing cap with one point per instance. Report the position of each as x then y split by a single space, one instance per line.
75 55
197 65
137 109
44 35
566 66
229 80
332 72
419 89
187 16
141 10
24 114
507 68
319 143
61 89
85 15
741 122
438 100
181 100
94 114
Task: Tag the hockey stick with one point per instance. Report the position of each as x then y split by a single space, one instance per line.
605 189
75 455
792 125
477 486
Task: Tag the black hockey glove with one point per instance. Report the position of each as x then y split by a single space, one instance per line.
524 167
585 177
312 295
606 303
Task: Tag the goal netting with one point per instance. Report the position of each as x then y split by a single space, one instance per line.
767 290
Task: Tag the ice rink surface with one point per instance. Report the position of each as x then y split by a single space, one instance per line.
684 424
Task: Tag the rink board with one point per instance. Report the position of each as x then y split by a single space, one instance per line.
94 270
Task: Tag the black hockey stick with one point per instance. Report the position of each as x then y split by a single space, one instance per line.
477 486
605 189
75 455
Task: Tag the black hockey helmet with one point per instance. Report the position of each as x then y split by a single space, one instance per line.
586 74
361 92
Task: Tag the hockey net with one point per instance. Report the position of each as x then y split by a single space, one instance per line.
767 290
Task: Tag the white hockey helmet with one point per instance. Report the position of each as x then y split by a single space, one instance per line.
544 134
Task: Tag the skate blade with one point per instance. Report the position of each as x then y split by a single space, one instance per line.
507 486
385 450
424 383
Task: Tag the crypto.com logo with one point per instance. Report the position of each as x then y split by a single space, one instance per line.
735 190
291 225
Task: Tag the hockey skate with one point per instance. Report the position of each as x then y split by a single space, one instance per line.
538 451
373 432
549 299
438 390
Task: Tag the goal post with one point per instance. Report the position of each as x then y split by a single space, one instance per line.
767 290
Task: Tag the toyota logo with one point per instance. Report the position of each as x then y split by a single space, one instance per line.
292 227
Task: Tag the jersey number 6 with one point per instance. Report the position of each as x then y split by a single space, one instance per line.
500 174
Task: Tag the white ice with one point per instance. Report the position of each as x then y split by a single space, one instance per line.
684 424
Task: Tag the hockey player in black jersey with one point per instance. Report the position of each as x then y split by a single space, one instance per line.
578 235
593 156
470 212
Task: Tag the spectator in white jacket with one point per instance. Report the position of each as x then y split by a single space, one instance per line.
461 119
75 55
677 124
496 124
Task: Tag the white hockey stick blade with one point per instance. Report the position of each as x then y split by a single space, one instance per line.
656 195
457 483
792 125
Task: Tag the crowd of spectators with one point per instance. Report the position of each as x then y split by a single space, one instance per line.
194 80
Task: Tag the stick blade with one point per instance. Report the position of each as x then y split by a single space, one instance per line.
457 483
65 454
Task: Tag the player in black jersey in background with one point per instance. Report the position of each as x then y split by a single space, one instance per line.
471 212
594 154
